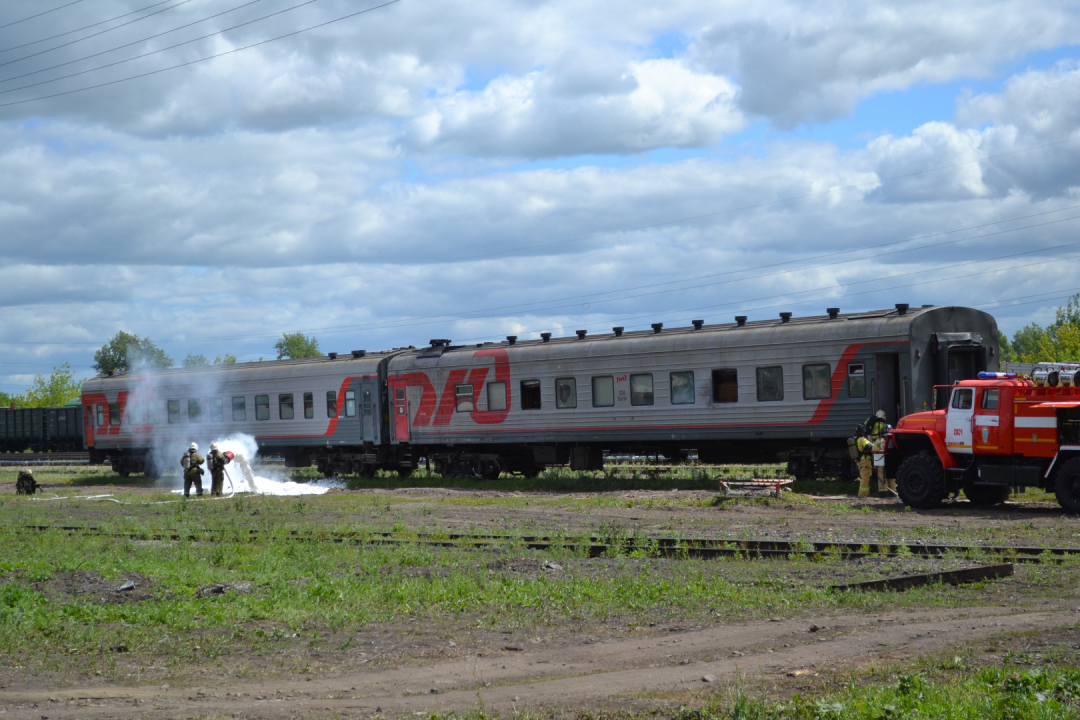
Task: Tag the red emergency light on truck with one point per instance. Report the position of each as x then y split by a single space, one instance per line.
997 434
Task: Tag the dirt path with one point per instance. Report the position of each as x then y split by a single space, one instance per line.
570 675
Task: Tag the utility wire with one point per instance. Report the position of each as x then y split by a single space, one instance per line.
233 290
134 42
87 27
678 221
93 35
409 322
468 314
203 59
76 2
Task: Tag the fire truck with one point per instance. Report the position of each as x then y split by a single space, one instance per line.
989 437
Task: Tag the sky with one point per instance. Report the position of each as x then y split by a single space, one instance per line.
213 173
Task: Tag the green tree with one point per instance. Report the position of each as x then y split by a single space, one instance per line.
54 390
130 352
195 360
1006 348
6 400
1058 341
296 345
227 360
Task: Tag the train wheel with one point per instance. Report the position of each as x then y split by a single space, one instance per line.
490 470
986 495
920 481
404 472
1067 485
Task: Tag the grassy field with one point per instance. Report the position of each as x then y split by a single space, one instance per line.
222 600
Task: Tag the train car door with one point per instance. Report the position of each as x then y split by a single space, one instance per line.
401 413
367 410
960 420
887 385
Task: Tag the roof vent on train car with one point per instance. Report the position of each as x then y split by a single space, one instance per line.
785 317
438 342
902 308
833 313
618 331
511 339
657 327
545 336
332 356
740 320
581 334
697 324
359 353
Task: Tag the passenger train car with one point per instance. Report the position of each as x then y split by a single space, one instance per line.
790 389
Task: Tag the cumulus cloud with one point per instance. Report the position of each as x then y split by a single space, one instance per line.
426 174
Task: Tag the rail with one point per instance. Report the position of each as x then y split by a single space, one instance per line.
599 545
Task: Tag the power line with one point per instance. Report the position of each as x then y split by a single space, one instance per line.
87 37
444 318
76 2
134 42
203 59
87 27
678 221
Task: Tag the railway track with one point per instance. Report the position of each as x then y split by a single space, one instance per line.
48 458
598 545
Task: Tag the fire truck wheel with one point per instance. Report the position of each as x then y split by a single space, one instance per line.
920 481
1067 485
986 495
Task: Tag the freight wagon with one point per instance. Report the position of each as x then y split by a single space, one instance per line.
41 429
789 390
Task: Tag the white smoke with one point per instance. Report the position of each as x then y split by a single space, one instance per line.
242 445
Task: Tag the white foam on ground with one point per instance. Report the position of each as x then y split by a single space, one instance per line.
245 445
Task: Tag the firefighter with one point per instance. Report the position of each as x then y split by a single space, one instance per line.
878 431
25 484
216 461
865 448
193 472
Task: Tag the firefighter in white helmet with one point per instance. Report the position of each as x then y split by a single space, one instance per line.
879 429
191 461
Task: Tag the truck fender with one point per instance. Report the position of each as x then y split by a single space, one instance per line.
1065 452
919 437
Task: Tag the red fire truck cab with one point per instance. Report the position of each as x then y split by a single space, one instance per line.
996 435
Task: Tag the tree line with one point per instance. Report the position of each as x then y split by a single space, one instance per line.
126 352
1058 341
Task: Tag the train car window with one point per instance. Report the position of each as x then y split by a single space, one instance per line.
463 396
496 396
817 381
770 383
990 399
194 410
331 403
309 406
174 411
725 385
239 409
350 403
963 398
530 394
217 410
682 388
114 413
603 391
641 389
262 407
856 380
285 408
565 392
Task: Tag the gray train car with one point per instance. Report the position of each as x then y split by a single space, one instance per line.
788 389
328 410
